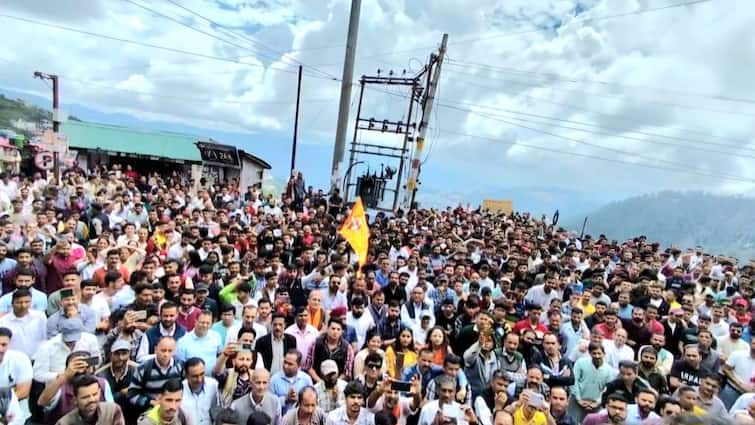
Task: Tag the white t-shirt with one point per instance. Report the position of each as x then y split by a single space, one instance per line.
99 306
743 365
361 325
15 369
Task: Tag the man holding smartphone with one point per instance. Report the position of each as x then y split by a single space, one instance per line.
445 410
389 399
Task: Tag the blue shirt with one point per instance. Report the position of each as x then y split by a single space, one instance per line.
206 348
6 265
222 330
38 301
280 384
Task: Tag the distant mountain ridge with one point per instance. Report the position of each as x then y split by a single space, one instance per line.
720 224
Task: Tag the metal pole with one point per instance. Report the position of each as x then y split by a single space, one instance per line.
346 81
411 182
296 122
352 154
403 153
55 124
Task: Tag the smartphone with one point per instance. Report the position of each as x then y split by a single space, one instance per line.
247 347
401 386
66 293
448 412
536 400
140 314
93 361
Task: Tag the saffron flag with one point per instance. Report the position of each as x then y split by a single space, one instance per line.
356 232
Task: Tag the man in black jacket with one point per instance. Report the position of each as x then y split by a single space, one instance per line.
274 346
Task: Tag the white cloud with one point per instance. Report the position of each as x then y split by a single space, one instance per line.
655 59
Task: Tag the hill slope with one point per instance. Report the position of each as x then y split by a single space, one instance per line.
721 224
13 110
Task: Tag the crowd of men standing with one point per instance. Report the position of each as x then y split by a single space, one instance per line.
141 299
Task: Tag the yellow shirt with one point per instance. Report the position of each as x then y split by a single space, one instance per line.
587 309
537 419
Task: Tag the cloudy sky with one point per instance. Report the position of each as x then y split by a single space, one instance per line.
590 100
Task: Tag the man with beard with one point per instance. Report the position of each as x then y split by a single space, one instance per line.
626 384
711 360
352 412
361 322
739 369
188 313
599 316
58 396
642 409
637 333
330 346
167 409
390 401
574 330
674 330
493 398
590 378
445 317
445 409
687 371
664 358
118 374
330 389
733 342
166 327
235 382
648 370
616 413
89 409
389 326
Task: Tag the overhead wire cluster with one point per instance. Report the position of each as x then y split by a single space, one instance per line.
543 124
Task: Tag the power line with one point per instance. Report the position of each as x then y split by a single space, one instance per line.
612 97
593 145
596 157
152 46
597 82
588 19
628 130
537 30
246 38
191 27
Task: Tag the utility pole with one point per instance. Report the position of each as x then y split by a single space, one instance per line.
346 82
411 182
296 122
55 112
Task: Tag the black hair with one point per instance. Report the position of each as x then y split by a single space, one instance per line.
227 416
111 277
82 381
191 362
6 332
20 293
171 386
167 304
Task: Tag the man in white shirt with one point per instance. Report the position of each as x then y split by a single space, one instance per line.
544 293
411 312
29 327
97 304
25 279
359 321
50 358
200 395
15 370
248 320
451 410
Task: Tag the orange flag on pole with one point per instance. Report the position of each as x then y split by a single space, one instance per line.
356 232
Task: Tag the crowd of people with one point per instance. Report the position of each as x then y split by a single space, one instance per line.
158 300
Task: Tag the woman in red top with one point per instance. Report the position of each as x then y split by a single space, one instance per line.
438 342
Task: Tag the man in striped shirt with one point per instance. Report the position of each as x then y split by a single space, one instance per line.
151 375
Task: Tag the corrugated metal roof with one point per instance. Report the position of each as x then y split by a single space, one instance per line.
85 135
